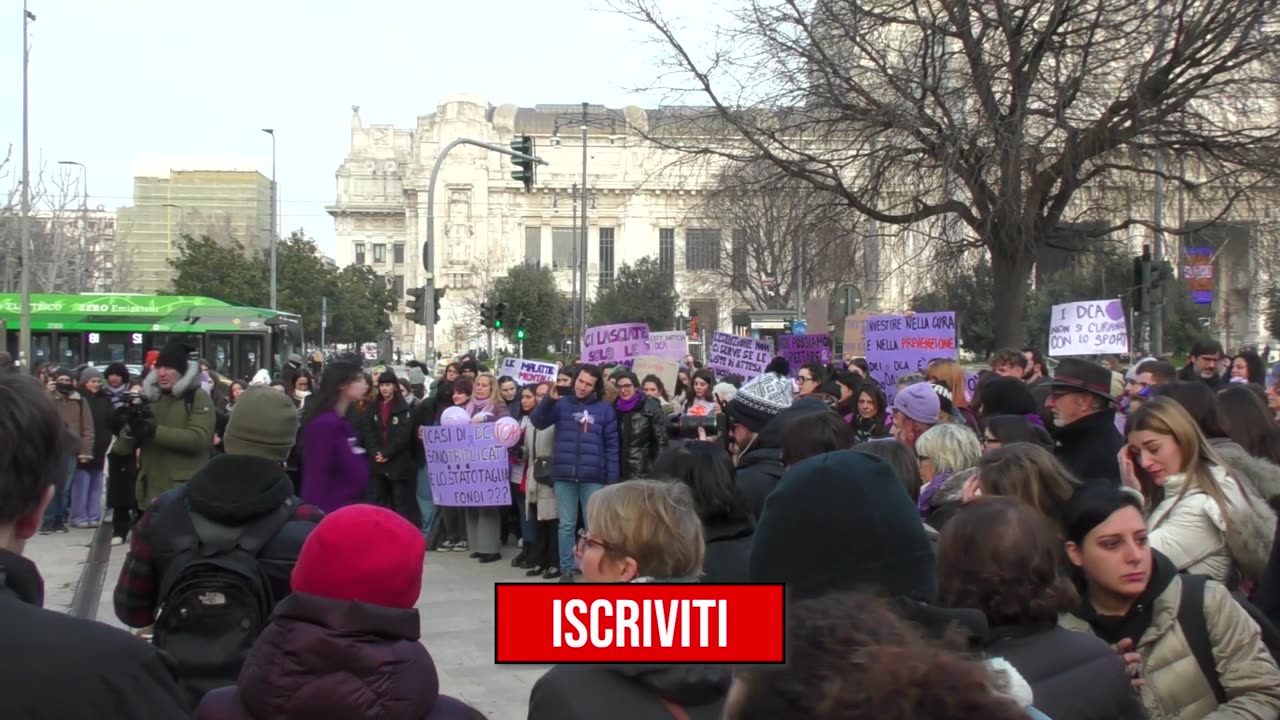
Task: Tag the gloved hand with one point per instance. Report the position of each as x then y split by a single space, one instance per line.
142 426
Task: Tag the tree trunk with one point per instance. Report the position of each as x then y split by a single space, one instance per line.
1011 273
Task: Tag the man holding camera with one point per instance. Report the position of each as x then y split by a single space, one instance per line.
172 423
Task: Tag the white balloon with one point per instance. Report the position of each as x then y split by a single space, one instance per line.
455 416
507 431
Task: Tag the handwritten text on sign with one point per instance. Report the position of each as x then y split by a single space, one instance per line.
735 355
801 349
898 345
669 345
467 466
527 372
1088 328
615 343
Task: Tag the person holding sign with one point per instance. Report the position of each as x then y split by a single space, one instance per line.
585 457
484 524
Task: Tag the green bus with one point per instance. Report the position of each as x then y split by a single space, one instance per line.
100 329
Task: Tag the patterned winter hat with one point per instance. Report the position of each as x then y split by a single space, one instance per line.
760 399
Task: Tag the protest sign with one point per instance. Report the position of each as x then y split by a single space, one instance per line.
665 369
855 333
898 345
801 349
615 343
528 372
732 354
669 345
1090 327
467 466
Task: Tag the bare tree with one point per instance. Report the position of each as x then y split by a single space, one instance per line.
991 121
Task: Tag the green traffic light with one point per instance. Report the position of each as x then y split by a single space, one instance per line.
520 334
497 324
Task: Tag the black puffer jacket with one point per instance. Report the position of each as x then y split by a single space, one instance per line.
629 692
1090 448
1073 676
397 447
760 467
322 658
728 546
642 437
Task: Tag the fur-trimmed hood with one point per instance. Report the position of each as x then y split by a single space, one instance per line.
191 378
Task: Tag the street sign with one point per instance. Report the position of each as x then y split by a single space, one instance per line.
799 327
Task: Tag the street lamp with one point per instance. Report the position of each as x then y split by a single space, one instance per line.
274 203
585 121
24 327
84 223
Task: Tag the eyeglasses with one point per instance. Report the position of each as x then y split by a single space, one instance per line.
803 378
584 540
626 386
990 440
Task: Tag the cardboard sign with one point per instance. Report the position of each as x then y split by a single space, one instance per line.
736 355
615 343
467 466
898 345
855 334
665 369
528 372
1091 327
669 345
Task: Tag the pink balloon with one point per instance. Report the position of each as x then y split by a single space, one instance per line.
455 416
507 431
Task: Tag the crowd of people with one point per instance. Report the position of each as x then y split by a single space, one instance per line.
1082 542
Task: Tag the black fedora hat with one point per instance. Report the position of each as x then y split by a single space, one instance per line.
1083 376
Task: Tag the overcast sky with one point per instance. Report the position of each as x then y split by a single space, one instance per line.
125 85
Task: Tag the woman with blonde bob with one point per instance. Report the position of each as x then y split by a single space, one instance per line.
641 531
952 373
1189 499
943 450
1025 472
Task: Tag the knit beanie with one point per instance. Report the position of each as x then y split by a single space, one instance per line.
362 553
118 369
846 501
89 373
264 423
760 399
1002 395
919 402
946 402
63 373
174 355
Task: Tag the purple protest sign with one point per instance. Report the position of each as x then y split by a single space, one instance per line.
467 466
615 343
801 349
898 345
736 355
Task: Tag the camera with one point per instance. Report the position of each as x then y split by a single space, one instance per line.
690 424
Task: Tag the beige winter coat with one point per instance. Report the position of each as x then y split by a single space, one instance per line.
541 496
78 419
1175 689
1191 530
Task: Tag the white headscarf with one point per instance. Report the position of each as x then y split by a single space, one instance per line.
262 377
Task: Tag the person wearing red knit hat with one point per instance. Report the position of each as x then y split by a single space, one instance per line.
346 642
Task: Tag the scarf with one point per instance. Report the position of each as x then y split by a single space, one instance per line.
1035 419
476 406
629 405
116 395
927 493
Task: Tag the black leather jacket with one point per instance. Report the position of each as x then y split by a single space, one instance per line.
642 437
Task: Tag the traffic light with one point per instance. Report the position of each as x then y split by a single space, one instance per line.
416 297
525 170
499 311
1141 278
694 324
486 314
439 302
520 323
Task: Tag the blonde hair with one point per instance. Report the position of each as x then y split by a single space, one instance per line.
951 373
952 448
1165 416
652 522
493 385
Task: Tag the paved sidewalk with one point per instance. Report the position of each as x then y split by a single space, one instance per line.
60 558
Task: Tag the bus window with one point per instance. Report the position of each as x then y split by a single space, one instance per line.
110 347
219 353
249 355
41 348
68 350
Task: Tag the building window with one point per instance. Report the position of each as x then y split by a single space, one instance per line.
397 285
458 281
398 256
667 250
533 245
738 258
701 249
562 247
379 253
606 256
359 253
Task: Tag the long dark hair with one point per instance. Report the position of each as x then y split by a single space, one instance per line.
708 376
881 401
662 388
337 376
1253 362
708 471
1247 421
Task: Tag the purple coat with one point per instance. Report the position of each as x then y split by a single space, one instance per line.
335 468
322 658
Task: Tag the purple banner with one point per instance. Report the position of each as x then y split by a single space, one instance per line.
467 466
898 345
615 343
736 355
801 349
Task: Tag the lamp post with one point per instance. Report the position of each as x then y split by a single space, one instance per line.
84 223
586 121
275 201
24 232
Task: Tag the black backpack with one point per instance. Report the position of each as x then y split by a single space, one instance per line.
1196 629
215 598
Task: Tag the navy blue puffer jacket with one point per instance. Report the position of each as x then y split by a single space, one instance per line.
586 447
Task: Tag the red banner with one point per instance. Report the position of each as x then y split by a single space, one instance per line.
638 623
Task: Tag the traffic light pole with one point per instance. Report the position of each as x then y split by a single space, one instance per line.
428 258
